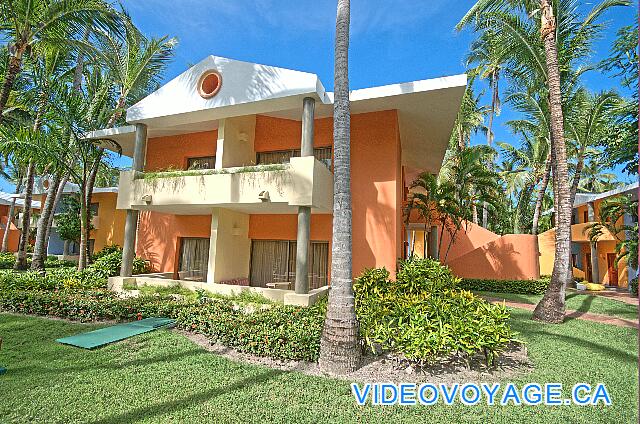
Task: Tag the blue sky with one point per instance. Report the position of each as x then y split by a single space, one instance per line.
403 40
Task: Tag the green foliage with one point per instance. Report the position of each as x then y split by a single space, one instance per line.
68 222
423 316
506 286
108 264
173 173
633 284
7 259
106 250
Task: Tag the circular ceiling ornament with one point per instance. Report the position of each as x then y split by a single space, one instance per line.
209 84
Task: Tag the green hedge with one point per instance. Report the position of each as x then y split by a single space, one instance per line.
506 286
274 330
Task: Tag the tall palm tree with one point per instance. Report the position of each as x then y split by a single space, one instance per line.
487 54
339 346
589 123
557 27
31 24
595 179
135 66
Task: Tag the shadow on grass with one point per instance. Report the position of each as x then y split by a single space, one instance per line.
156 409
113 365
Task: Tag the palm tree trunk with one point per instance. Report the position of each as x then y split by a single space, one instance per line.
15 65
58 196
12 208
552 306
540 197
339 345
84 234
21 262
40 248
494 102
578 174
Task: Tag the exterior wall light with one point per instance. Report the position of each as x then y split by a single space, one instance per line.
264 196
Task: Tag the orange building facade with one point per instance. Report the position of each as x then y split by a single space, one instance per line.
232 176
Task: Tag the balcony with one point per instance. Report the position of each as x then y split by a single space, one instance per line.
304 181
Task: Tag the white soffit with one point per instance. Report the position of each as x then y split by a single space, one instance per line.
246 88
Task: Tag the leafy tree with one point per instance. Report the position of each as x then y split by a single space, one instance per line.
68 222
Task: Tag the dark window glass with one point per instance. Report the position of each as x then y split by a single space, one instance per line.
323 154
204 162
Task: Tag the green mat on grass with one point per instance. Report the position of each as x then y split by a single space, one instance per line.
103 336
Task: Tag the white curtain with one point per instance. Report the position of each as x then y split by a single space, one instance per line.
194 258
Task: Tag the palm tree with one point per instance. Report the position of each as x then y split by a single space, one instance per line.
29 25
488 56
339 345
590 122
557 27
465 173
594 179
135 66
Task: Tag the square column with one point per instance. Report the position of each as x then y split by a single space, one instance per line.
304 212
131 222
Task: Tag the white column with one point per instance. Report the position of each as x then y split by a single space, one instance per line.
304 212
131 222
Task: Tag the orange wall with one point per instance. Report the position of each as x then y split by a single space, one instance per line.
510 257
468 238
110 229
173 151
375 180
158 235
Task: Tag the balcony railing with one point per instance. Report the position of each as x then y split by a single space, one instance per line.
304 181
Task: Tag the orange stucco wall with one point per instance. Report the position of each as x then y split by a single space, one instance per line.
110 229
14 233
376 181
173 151
470 237
158 235
510 257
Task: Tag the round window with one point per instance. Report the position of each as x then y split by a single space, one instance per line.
209 84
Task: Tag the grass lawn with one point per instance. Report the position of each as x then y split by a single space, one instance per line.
576 301
163 377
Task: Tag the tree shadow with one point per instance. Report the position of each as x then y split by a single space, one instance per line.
174 405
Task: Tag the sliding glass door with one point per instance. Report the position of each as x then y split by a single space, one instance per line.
194 259
274 261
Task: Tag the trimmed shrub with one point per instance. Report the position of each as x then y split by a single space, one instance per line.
506 286
423 316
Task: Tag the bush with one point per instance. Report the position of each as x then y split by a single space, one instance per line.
506 286
106 250
423 316
594 286
7 260
108 265
633 285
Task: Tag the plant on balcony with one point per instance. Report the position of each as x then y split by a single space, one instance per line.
173 173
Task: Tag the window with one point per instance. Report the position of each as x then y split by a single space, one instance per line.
323 154
203 162
274 261
94 209
194 259
574 260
